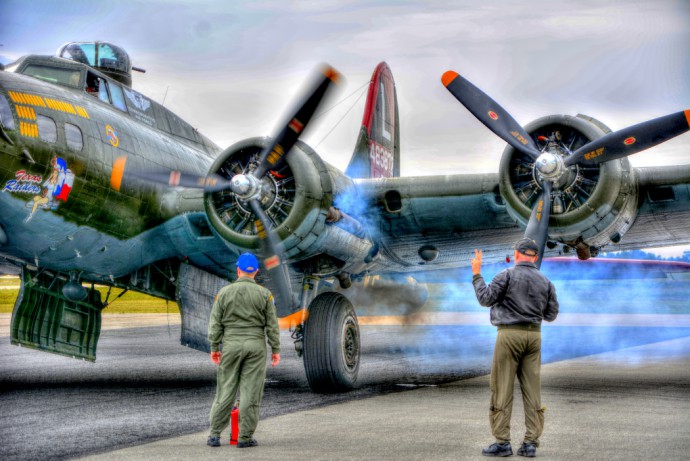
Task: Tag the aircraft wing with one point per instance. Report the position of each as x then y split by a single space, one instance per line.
453 214
664 209
447 215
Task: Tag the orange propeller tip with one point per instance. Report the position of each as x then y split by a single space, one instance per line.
332 74
118 172
448 77
687 116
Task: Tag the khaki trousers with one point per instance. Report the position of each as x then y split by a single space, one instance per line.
517 352
243 367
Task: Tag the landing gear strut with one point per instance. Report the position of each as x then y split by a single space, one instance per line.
331 344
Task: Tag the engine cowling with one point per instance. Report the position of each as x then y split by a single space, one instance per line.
296 197
593 205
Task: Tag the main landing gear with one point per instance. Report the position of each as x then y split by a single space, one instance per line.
331 344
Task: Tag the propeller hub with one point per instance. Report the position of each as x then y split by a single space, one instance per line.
550 166
245 186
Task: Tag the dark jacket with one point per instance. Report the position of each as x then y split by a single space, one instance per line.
518 295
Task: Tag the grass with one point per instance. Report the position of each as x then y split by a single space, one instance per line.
9 281
129 303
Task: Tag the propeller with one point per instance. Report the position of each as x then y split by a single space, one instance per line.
272 249
490 113
290 132
210 183
550 165
632 139
248 185
538 224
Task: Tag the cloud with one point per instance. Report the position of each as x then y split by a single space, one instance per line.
232 69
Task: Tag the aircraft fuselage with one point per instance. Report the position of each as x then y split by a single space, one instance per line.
56 198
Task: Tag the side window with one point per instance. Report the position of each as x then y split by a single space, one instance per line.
6 118
118 97
179 127
75 140
97 87
103 91
47 130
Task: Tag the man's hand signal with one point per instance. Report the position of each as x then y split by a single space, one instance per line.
477 262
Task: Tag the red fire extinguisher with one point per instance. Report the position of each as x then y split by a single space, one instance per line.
234 423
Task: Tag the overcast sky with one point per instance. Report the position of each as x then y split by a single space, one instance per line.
231 68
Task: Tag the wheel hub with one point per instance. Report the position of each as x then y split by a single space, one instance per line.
350 342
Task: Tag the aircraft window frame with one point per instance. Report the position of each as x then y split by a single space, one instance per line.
84 53
53 74
6 116
103 91
74 137
179 127
117 96
97 87
47 129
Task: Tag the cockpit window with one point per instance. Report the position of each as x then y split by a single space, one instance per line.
117 97
59 75
103 91
84 53
97 54
111 57
6 118
97 87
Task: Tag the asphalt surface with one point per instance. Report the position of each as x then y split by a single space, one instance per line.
599 407
422 395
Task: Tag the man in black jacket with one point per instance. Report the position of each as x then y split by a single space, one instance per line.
520 298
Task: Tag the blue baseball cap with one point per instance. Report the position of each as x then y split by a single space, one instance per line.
247 262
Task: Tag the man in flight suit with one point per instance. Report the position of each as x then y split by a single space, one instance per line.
520 298
243 316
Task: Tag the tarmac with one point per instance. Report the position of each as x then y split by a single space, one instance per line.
599 407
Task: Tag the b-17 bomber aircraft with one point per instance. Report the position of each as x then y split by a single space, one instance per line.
102 185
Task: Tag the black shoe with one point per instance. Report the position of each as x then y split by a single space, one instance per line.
498 449
247 444
213 441
528 450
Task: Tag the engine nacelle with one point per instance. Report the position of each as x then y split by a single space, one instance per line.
296 197
593 205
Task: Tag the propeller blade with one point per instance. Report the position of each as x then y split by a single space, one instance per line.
288 135
492 115
209 183
538 225
272 249
632 139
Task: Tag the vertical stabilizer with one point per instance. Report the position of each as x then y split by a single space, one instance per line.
377 152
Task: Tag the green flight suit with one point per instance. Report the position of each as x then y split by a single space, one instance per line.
243 316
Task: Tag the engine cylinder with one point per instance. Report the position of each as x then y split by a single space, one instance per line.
595 204
296 197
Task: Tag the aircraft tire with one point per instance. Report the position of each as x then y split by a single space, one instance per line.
331 344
